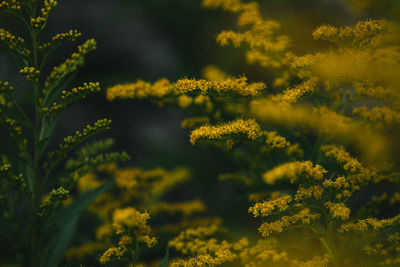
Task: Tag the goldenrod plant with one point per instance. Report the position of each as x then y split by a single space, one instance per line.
315 148
39 213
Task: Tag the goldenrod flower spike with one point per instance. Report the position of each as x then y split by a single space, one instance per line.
338 210
293 171
265 208
250 128
70 65
140 89
349 163
16 44
238 86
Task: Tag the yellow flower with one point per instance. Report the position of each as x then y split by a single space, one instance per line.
293 170
248 127
338 210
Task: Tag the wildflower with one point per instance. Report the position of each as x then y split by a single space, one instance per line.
304 217
248 127
70 65
368 224
31 74
237 86
16 44
266 207
274 140
59 38
349 163
293 170
184 101
292 95
313 191
140 89
338 210
113 251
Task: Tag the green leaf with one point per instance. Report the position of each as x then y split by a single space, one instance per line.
55 92
164 262
29 95
62 228
18 115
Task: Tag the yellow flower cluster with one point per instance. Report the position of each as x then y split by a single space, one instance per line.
71 64
112 252
265 45
349 163
368 224
304 217
380 116
68 97
15 44
250 128
338 210
140 89
361 33
238 86
274 140
261 254
212 73
14 126
267 207
6 87
79 137
220 257
13 5
339 183
314 191
39 22
191 123
294 94
186 208
59 38
129 220
31 74
294 170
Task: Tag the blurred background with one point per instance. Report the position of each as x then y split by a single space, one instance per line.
154 39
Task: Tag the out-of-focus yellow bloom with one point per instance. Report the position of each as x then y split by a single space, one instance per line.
369 224
294 170
186 208
87 249
379 116
184 101
112 252
191 123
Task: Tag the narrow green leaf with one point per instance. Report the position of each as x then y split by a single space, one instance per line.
18 115
164 262
62 228
55 92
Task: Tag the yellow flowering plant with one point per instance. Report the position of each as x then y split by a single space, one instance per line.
309 147
36 182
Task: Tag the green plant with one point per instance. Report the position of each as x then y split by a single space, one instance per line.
36 229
